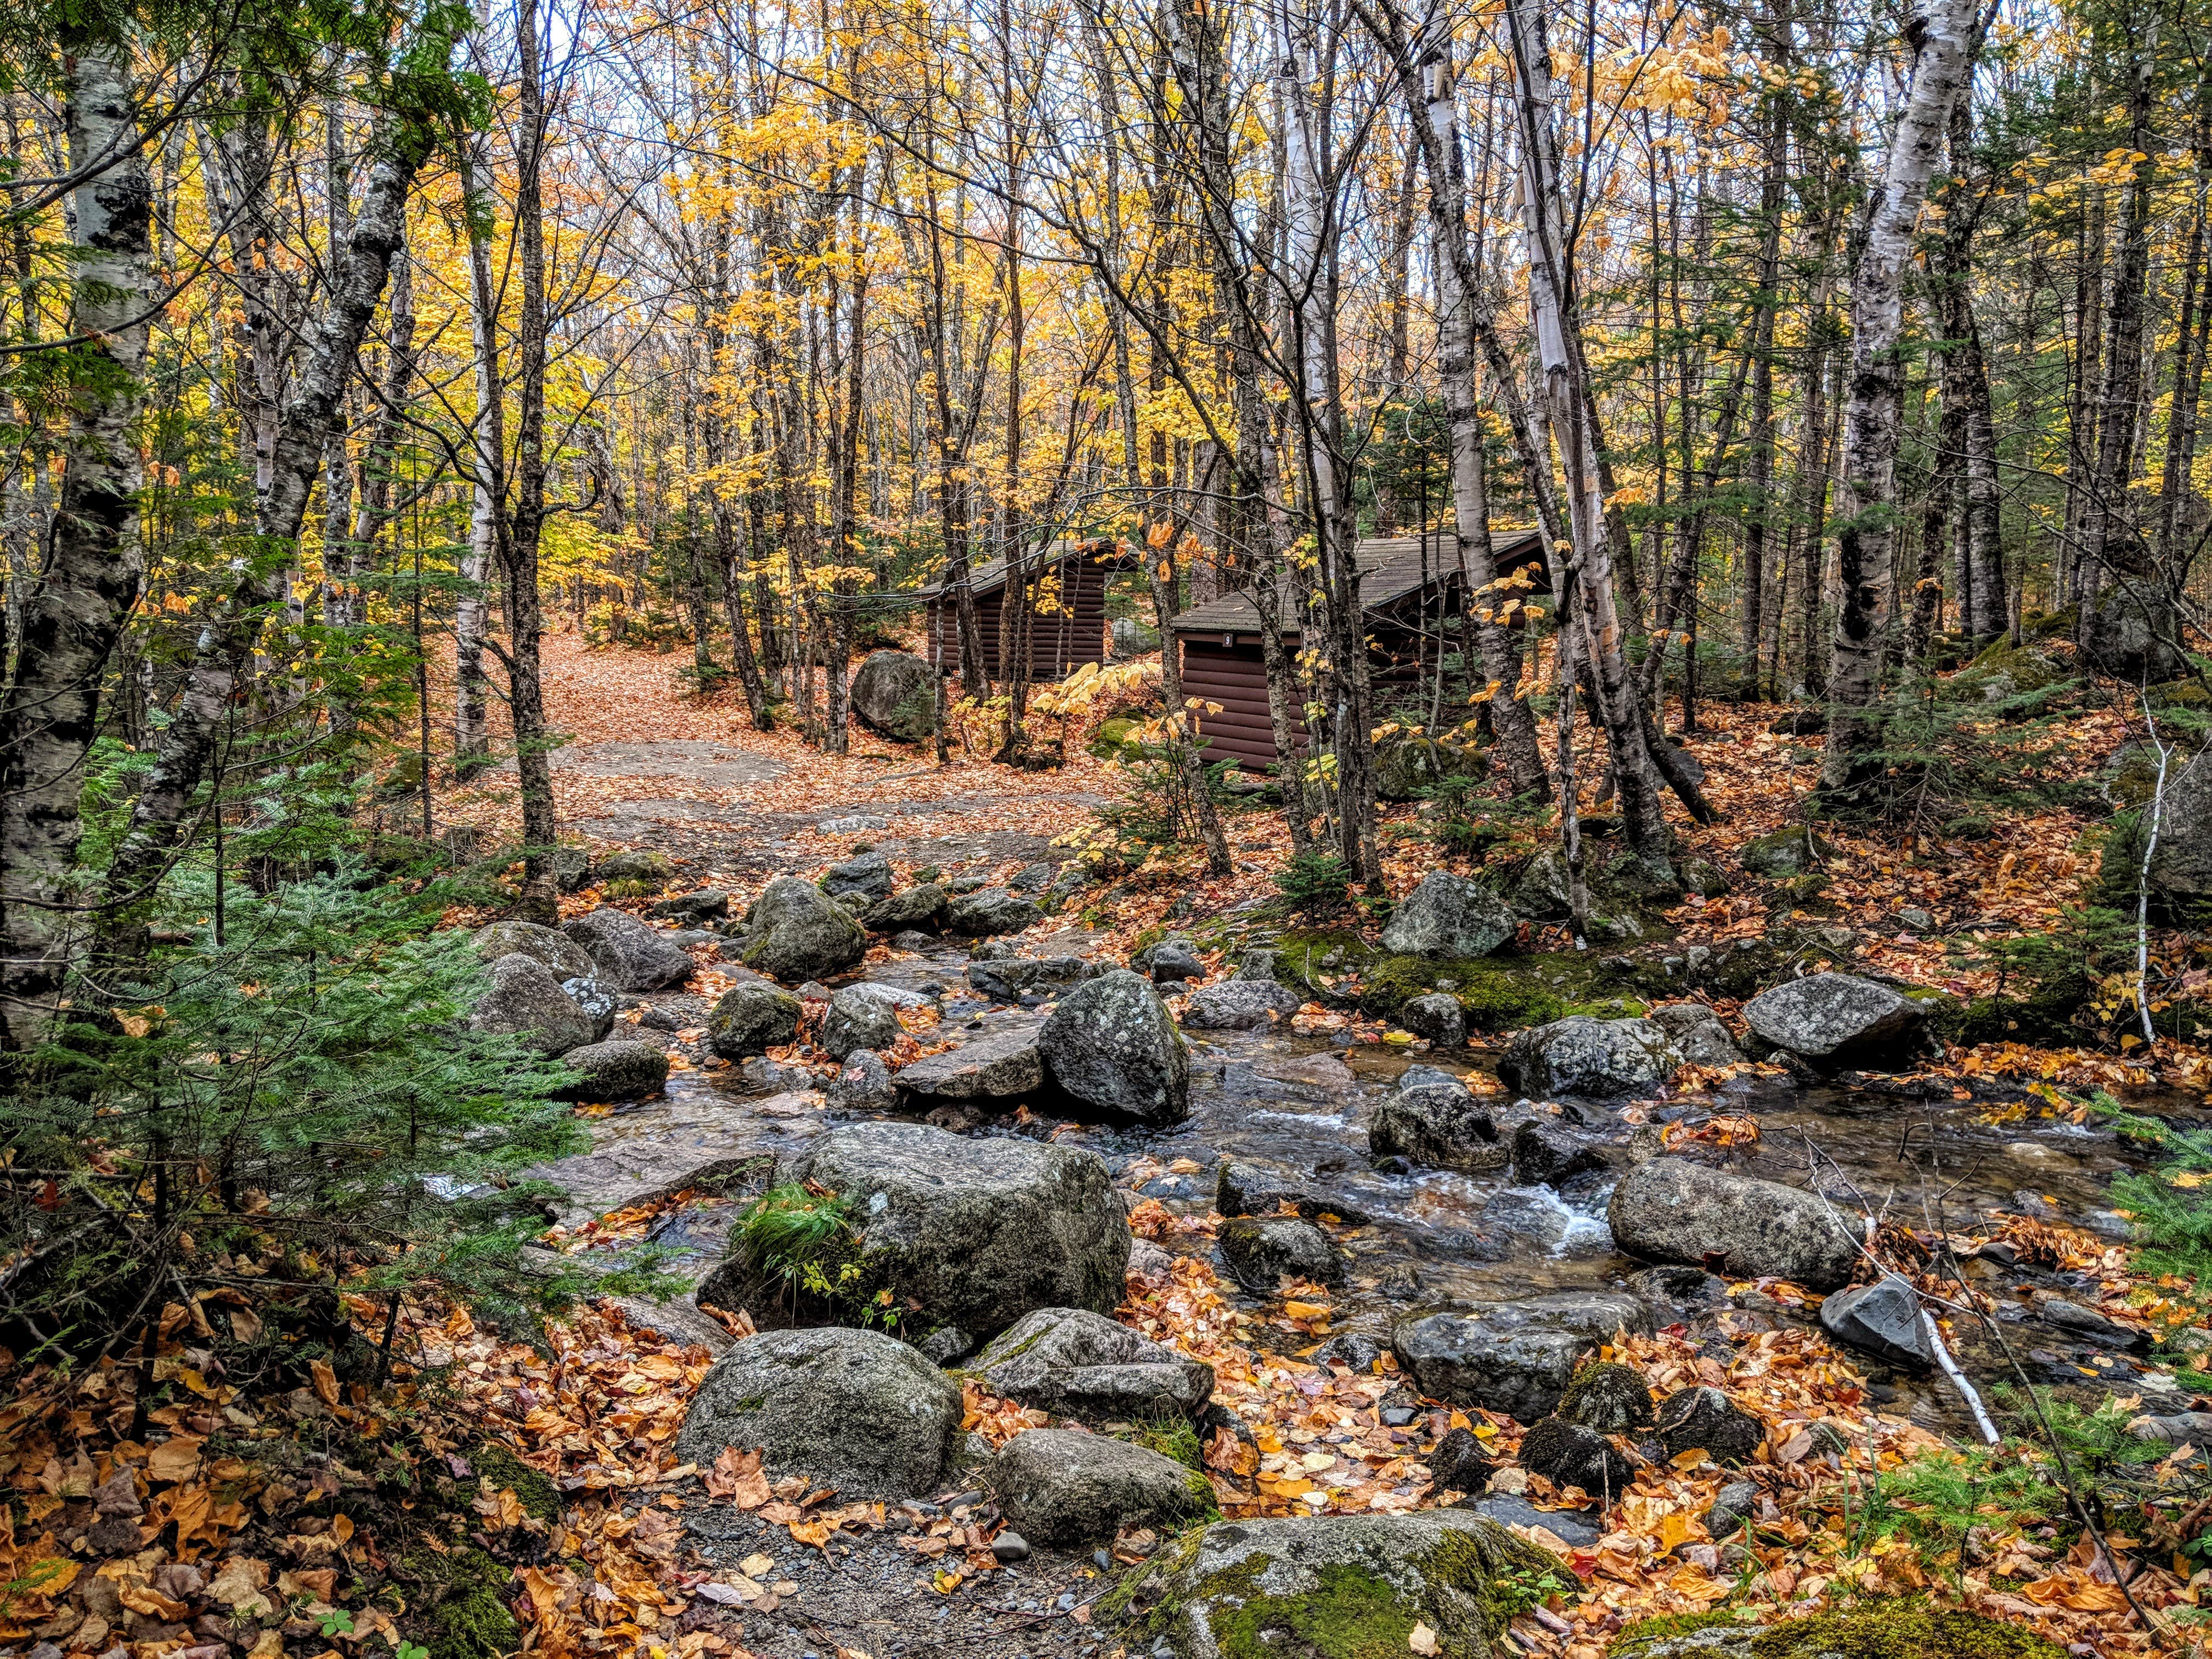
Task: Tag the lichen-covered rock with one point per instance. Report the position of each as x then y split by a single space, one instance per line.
1430 1119
1245 1190
1449 915
867 873
860 1017
863 1083
2181 864
1885 1630
1262 1250
1027 979
1540 890
1883 1318
1111 1044
1333 1587
1569 1455
1236 1005
989 911
630 956
855 1410
567 958
1074 1362
2131 633
1597 1058
1705 1419
798 931
648 869
1609 1397
1826 1017
1516 1356
973 1232
1437 1017
624 1069
751 1019
526 1001
895 694
920 908
1697 1033
1671 1210
1065 1487
998 1063
1784 853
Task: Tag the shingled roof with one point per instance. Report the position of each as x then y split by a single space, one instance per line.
1390 567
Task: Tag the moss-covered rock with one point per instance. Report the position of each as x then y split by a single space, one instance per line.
1608 1397
1506 993
533 1489
458 1608
1887 1630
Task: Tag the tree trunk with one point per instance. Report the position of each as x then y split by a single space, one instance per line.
488 450
1773 181
1866 543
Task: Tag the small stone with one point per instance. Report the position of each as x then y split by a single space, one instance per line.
1460 1464
1568 1455
1437 1016
1009 1547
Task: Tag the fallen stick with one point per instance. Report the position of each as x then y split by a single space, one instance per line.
1957 1377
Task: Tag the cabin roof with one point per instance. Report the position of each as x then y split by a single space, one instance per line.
1390 567
986 579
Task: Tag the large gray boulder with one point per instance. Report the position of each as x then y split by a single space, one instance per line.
1286 1587
1260 1250
799 933
1430 1119
1028 979
1449 915
1697 1033
624 1069
1000 1063
1238 1006
1596 1058
2181 863
751 1019
1070 1488
525 1001
895 694
1884 1319
920 908
1516 1356
1110 1043
567 958
1074 1362
975 1232
860 1017
855 1410
630 956
1833 1016
867 873
988 912
2130 633
1542 892
1672 1210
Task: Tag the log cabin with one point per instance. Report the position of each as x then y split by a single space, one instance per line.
1071 633
1407 585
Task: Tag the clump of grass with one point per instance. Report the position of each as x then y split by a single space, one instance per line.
802 1237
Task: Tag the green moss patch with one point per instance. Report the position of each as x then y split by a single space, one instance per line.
1350 1614
533 1489
1895 1630
460 1611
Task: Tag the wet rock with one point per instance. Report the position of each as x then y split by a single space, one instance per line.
1705 1419
1074 1362
1460 1464
850 1409
1573 1527
525 1001
799 931
860 1017
1245 1190
895 694
2073 1317
921 907
621 1070
1111 1044
751 1019
1516 1356
1449 915
1028 979
549 945
1830 1016
773 1077
998 1063
649 869
1678 1291
1170 959
989 911
1065 1487
910 940
974 1233
1546 1153
1697 1034
1430 1119
1235 1006
1355 1352
1882 1318
868 874
1437 1016
1276 1583
630 956
1671 1210
1568 1455
1784 853
708 904
1598 1058
1611 1398
864 1083
1261 1252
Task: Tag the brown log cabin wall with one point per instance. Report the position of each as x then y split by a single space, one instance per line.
1059 643
1234 676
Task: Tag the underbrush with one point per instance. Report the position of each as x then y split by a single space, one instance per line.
799 1238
